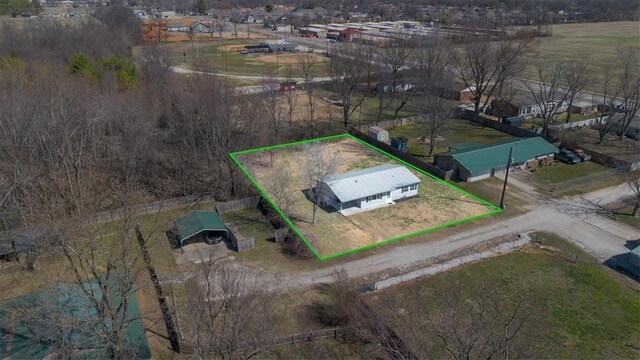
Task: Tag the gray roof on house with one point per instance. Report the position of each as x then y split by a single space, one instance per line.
523 99
375 180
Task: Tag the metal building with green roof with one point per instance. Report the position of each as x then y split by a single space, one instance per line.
199 225
471 163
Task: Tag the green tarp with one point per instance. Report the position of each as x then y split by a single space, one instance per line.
34 325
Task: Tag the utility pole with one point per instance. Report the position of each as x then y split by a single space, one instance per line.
277 64
506 177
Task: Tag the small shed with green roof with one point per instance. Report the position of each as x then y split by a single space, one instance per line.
471 163
200 225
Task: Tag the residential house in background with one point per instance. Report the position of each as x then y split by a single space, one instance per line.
523 105
456 91
178 27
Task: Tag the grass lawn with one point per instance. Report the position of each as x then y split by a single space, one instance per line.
566 180
581 310
622 211
370 108
561 172
595 42
333 233
628 219
459 131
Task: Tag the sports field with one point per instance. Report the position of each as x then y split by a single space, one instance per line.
437 205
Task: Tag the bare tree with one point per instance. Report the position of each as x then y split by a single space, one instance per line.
272 103
610 92
306 62
548 92
292 103
629 84
480 328
318 164
395 57
214 121
634 183
346 69
576 78
482 64
432 58
230 312
236 18
436 115
278 185
105 268
422 324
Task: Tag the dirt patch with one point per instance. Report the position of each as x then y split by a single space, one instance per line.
288 58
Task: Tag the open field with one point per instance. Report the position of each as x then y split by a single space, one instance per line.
459 131
437 205
596 42
580 309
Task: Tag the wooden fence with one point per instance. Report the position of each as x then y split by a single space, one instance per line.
234 205
505 128
390 123
239 241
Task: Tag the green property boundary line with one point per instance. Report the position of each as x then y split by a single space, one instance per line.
295 229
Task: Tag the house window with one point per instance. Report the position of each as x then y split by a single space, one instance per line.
405 189
413 187
375 197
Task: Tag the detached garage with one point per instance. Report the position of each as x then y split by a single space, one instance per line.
201 226
471 163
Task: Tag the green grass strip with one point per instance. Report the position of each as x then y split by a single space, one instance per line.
233 155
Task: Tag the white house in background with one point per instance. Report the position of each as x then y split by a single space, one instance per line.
359 190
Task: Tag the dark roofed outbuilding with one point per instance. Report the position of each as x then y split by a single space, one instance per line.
197 224
471 163
25 239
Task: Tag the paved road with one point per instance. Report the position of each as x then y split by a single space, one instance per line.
572 218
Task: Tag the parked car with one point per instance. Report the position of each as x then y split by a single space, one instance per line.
567 157
581 154
212 239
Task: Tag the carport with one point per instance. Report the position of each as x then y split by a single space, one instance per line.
197 225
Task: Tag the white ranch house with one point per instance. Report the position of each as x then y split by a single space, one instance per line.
365 189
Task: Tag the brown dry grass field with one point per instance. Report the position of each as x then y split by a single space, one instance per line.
437 203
